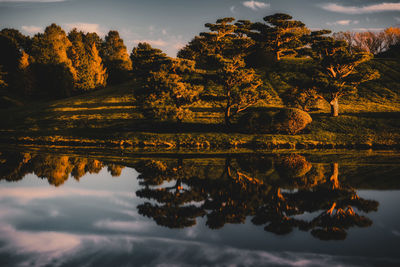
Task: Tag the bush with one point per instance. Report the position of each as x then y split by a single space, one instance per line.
291 120
292 165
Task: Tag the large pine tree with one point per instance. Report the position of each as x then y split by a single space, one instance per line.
145 59
280 35
221 52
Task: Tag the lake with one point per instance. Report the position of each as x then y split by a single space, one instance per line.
91 207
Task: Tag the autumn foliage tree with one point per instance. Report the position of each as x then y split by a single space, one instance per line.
53 69
86 60
374 42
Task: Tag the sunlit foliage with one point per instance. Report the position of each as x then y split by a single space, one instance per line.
116 58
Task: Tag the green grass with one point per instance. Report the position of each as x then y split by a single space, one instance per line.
108 117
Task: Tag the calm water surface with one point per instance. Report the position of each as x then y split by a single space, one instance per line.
314 209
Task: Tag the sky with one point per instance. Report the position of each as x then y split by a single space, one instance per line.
170 24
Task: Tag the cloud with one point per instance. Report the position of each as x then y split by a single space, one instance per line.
255 5
361 10
31 1
86 27
158 42
31 29
397 19
343 22
232 9
368 29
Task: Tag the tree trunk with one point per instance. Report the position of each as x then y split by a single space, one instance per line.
334 107
278 57
228 117
335 176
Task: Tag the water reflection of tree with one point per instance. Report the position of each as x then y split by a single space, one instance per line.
274 190
56 169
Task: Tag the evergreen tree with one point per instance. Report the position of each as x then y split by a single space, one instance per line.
280 34
116 58
221 52
168 92
338 72
146 59
98 71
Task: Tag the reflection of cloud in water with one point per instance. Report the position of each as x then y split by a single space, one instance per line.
41 248
123 226
396 233
56 249
24 195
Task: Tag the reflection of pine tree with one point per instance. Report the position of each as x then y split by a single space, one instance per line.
235 194
175 208
337 202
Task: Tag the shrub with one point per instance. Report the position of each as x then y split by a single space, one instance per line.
291 120
292 165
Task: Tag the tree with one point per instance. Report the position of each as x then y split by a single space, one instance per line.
53 69
167 93
14 59
280 35
392 36
2 79
221 53
146 59
240 88
116 58
338 72
87 62
371 42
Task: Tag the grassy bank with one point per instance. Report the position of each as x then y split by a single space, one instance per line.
108 117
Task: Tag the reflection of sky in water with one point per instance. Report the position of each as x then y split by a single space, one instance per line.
95 222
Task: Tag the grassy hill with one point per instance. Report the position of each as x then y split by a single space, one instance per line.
108 117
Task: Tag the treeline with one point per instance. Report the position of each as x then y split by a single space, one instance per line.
54 64
375 42
226 66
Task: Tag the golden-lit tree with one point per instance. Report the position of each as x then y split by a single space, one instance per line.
53 69
116 58
338 71
280 35
231 84
86 60
146 59
168 93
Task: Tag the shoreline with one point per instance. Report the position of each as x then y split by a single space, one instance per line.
202 142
